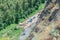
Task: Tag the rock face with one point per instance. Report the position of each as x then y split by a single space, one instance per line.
52 7
49 38
48 22
51 14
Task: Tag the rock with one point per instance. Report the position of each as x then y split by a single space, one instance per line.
58 26
49 38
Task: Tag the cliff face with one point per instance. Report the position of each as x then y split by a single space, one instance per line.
52 9
51 16
48 22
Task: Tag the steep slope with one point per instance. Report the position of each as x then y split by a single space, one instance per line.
48 22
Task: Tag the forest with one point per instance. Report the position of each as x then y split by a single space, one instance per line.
13 11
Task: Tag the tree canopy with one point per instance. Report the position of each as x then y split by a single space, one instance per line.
13 10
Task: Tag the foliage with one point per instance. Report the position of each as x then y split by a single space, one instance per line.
11 11
11 32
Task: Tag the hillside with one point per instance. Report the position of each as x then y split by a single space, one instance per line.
14 12
29 19
48 27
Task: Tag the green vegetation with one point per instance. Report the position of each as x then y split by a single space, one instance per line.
11 32
14 11
4 38
12 26
41 7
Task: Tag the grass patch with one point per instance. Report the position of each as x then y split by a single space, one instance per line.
4 38
10 33
12 26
